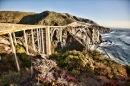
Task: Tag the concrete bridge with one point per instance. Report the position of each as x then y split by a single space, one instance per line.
36 33
39 38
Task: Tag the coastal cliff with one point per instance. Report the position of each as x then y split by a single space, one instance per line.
77 38
74 60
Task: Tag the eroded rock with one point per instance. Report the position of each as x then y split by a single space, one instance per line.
47 71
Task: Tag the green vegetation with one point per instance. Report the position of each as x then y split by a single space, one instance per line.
44 18
12 16
92 61
128 69
20 49
8 62
26 61
71 60
10 78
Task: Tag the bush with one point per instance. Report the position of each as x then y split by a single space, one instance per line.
73 61
76 72
128 69
92 67
96 55
20 49
12 62
25 60
128 84
92 61
10 78
55 56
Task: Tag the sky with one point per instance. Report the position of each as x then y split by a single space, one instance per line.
108 13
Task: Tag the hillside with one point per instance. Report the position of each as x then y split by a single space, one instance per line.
12 16
44 18
52 18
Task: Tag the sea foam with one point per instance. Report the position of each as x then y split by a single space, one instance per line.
117 45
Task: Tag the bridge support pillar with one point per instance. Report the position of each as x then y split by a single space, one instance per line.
42 41
26 44
14 51
38 43
33 43
60 34
14 39
48 42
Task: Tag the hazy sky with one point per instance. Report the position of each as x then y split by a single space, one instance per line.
110 13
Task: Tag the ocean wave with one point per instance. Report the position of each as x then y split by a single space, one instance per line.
117 46
126 42
128 35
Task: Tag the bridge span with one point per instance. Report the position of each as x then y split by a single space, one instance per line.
39 36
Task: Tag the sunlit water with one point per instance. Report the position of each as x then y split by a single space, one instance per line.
117 45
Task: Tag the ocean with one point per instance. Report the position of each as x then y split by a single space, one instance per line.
116 45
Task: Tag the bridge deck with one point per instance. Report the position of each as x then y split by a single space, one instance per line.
7 27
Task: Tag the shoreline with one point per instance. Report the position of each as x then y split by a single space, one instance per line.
113 43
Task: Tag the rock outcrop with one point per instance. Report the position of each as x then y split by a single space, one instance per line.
4 45
101 29
85 38
78 36
47 71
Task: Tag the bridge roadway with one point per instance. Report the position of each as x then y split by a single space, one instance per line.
8 27
43 35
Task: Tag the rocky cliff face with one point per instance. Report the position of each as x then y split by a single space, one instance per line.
101 29
78 38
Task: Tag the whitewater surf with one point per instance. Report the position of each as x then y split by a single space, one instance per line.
116 45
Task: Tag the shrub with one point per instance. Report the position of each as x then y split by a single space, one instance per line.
91 61
12 62
128 84
25 60
128 69
20 49
73 61
10 78
92 67
96 55
109 75
76 71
